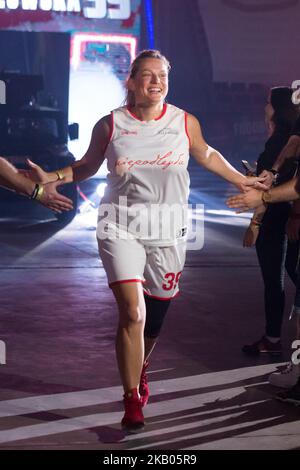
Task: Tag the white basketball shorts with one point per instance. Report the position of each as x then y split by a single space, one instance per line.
130 260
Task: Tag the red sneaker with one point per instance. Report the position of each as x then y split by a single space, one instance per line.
133 419
144 387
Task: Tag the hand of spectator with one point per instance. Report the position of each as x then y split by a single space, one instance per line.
36 173
245 201
55 201
269 178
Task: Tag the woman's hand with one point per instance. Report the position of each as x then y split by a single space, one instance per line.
251 235
257 182
269 178
37 174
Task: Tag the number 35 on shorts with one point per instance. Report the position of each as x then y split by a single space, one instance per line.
172 280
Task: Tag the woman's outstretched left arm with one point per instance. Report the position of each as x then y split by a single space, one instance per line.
211 159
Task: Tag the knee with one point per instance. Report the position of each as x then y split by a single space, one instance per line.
132 315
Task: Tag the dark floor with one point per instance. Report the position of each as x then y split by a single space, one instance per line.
60 387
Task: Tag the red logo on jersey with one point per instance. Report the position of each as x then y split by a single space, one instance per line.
162 161
125 132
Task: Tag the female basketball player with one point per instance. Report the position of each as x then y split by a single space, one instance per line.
147 145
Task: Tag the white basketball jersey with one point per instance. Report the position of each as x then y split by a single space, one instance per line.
148 181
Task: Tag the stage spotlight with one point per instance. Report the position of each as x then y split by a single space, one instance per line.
100 189
229 213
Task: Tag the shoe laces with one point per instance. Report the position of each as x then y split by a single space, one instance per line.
143 380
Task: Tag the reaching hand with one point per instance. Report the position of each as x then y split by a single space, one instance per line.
253 182
251 235
292 229
36 173
55 201
248 200
268 178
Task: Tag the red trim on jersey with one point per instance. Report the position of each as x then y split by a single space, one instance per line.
186 128
164 110
131 113
111 129
162 298
126 280
111 126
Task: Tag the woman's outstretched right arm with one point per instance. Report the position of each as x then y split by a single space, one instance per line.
84 168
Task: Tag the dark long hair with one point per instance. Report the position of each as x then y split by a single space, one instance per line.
285 112
146 54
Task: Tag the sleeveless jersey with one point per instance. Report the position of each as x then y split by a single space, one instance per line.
148 182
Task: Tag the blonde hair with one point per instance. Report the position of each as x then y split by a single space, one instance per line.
146 54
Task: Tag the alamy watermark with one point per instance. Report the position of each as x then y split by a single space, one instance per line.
2 92
168 223
296 93
2 352
295 358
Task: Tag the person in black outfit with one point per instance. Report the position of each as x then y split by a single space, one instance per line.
289 377
267 229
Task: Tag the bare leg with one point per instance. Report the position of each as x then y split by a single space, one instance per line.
130 339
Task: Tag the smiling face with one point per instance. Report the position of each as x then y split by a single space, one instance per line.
150 82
